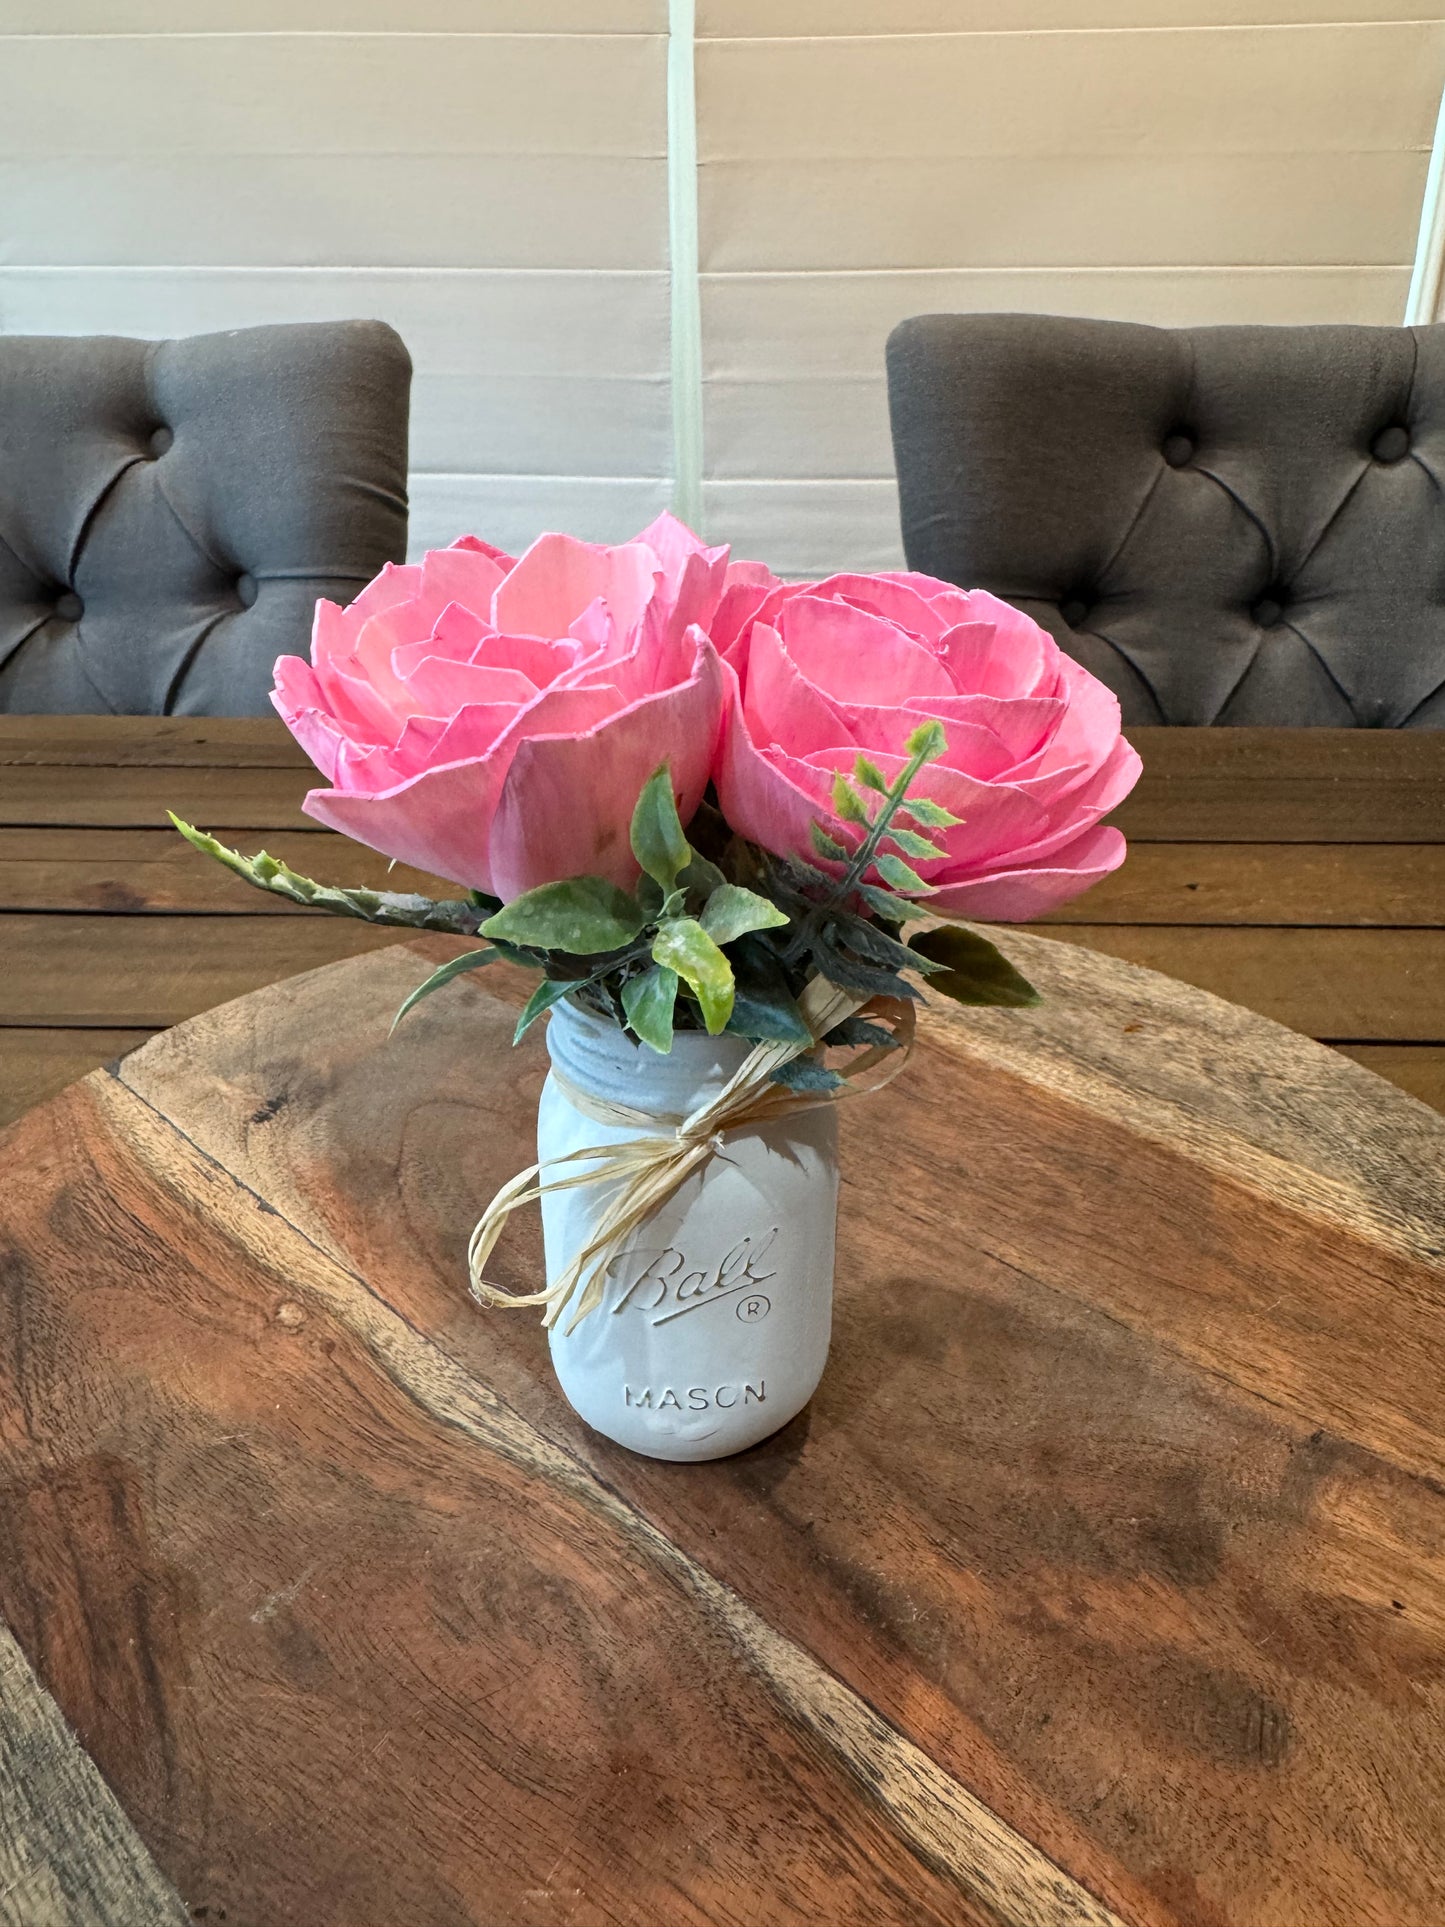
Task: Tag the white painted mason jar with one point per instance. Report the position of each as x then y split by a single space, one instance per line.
714 1325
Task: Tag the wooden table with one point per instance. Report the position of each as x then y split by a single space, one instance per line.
1102 1582
1298 872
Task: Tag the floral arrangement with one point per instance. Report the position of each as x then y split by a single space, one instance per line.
683 791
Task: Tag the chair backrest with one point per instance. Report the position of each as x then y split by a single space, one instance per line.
171 510
1226 525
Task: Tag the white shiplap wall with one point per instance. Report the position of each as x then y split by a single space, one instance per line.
490 176
1177 161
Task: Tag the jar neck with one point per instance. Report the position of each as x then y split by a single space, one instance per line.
604 1062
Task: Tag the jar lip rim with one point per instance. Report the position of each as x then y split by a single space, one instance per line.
586 1042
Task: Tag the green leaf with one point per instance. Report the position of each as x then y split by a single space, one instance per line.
847 802
826 845
469 960
732 911
701 876
648 1002
684 946
927 741
912 845
975 971
550 991
933 816
896 909
657 839
869 774
583 916
894 872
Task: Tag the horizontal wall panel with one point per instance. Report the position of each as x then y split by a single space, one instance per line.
719 19
558 372
374 210
806 528
778 324
333 16
171 95
794 381
1324 89
513 510
1248 210
296 149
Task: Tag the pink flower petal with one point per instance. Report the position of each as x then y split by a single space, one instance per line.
479 547
438 821
766 796
857 658
398 582
567 801
464 576
440 688
782 706
299 702
559 576
1031 890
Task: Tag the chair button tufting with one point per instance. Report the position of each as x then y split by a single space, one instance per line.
160 442
1391 444
1074 611
1178 449
69 606
245 590
1267 612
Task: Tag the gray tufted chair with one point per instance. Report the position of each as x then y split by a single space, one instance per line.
1226 525
171 510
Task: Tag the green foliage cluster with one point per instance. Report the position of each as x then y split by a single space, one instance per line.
718 935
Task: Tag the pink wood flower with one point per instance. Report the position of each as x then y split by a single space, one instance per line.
819 671
492 720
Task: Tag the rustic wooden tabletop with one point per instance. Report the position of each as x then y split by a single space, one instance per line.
1101 1582
1298 872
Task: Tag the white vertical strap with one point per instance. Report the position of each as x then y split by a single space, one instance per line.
1423 302
686 299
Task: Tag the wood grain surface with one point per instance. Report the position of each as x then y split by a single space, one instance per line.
68 1855
1301 872
1101 1581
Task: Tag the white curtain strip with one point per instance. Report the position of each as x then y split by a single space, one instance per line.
1428 281
687 426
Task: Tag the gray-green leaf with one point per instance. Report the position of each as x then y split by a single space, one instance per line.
895 909
648 1001
550 991
403 910
469 960
657 839
975 971
894 872
583 916
826 845
911 844
847 802
684 946
806 1074
731 911
927 741
933 816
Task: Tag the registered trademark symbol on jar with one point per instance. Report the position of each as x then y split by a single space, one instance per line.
750 1310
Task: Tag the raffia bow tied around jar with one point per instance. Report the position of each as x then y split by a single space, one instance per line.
706 806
